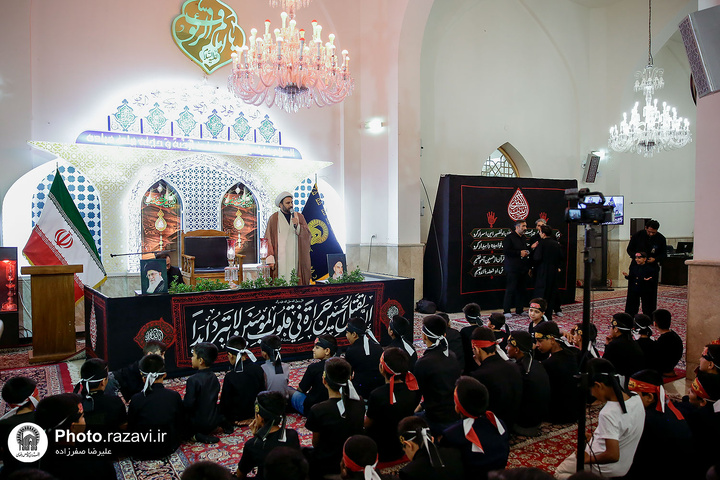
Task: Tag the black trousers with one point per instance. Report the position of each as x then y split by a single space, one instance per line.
515 293
648 296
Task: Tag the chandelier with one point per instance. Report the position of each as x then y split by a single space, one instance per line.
289 71
289 5
660 128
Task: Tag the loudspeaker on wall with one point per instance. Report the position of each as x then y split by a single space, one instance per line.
701 36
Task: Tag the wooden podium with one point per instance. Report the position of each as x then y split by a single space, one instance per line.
53 311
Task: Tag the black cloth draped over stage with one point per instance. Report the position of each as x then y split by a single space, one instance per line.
119 327
472 215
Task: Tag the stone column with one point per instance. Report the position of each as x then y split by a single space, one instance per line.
704 269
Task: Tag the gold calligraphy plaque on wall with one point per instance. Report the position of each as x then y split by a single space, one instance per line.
205 31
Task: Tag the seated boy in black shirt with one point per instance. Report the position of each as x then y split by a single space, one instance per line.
397 329
427 461
668 346
22 396
702 412
501 377
472 315
268 429
481 437
334 420
535 402
128 379
103 413
561 366
454 341
311 389
155 409
241 385
363 355
436 372
622 350
392 402
201 395
360 457
497 324
665 430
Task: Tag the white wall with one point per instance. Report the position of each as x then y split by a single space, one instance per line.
550 78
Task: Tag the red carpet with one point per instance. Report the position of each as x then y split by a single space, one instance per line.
545 452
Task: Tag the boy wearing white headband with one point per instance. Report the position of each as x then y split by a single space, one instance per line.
334 420
155 409
436 372
363 355
427 461
241 385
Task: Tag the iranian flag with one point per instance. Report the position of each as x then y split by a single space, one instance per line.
60 237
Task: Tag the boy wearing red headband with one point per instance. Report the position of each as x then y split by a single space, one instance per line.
390 403
500 377
665 430
360 457
480 436
702 412
472 316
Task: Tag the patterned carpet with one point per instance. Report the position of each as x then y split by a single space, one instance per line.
18 357
544 452
51 379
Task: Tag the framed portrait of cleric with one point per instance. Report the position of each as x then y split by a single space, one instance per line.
337 265
153 276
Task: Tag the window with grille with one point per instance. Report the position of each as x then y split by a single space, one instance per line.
499 165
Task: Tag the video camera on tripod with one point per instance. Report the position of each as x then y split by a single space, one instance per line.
589 210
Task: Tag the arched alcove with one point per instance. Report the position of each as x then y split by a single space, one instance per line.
24 202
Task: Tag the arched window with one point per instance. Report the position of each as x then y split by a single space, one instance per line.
499 164
161 222
240 220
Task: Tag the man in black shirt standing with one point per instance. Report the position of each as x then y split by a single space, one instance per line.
653 243
517 264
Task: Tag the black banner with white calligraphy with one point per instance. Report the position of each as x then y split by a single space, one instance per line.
472 215
120 327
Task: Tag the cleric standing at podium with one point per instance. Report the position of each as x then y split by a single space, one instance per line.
288 241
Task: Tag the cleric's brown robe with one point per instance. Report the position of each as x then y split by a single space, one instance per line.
271 233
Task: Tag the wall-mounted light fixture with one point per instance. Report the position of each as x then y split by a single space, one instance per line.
375 125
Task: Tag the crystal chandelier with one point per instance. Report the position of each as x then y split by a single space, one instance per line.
289 5
289 72
659 129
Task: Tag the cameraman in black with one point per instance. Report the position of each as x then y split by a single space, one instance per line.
653 243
